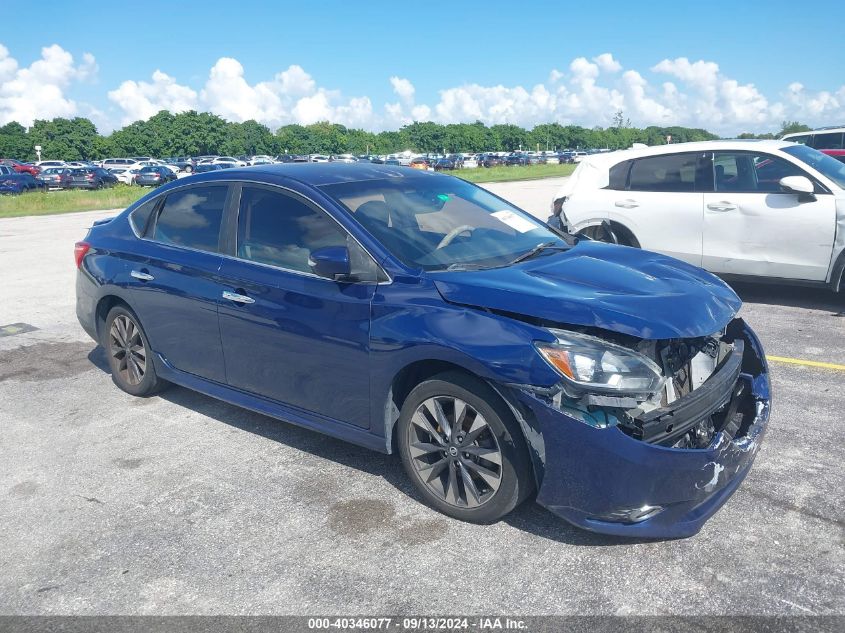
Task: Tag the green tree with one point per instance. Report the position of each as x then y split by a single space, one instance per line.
15 142
67 139
294 139
509 138
425 136
250 138
791 127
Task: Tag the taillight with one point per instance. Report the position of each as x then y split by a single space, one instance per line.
80 249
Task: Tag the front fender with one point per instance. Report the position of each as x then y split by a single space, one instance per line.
412 323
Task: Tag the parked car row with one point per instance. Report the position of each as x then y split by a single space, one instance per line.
12 182
127 169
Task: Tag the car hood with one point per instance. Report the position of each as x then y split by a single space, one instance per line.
616 288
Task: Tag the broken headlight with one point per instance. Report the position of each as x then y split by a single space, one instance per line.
590 364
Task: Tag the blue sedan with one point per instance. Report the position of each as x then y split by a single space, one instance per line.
415 313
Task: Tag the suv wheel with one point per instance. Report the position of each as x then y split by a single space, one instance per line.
462 449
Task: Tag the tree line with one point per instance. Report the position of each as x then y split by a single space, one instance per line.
200 133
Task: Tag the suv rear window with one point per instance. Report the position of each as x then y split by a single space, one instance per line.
827 140
192 218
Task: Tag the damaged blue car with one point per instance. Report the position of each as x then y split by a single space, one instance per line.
415 313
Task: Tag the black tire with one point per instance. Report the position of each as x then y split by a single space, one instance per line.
125 374
515 481
188 169
610 234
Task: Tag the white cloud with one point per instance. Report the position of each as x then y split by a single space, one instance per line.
295 81
38 91
228 94
588 91
291 96
141 99
822 105
606 62
403 88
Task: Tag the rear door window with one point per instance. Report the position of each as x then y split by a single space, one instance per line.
192 218
619 175
673 172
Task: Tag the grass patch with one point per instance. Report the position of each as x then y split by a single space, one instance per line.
69 200
121 196
504 174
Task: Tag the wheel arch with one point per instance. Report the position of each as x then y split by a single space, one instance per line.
404 382
104 306
837 275
418 371
618 227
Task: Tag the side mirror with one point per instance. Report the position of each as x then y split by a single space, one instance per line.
331 262
797 184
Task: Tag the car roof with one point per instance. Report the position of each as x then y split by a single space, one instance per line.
611 158
317 174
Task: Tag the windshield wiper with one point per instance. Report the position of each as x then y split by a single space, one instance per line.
538 249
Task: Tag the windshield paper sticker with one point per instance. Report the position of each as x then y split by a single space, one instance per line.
516 222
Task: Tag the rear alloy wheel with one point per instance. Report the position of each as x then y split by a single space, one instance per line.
462 449
129 354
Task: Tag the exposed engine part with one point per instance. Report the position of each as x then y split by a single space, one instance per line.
698 436
703 393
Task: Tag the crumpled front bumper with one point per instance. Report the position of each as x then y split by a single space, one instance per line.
598 478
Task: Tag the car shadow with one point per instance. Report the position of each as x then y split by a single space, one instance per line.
791 296
529 517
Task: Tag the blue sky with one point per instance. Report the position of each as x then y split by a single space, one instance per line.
350 50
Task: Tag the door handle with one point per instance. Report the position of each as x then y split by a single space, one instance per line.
627 204
722 206
140 274
234 296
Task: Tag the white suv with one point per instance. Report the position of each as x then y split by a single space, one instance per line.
737 208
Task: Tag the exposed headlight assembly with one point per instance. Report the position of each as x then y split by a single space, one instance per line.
591 365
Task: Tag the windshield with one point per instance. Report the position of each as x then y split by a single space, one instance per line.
438 222
822 163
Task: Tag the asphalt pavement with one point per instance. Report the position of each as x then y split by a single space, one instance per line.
181 504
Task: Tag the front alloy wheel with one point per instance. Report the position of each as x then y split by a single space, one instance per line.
455 452
463 449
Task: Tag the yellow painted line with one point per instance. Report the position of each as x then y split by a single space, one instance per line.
808 363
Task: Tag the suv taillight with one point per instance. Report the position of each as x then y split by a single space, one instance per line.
80 249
